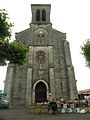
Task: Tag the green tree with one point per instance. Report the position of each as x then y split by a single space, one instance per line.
5 25
9 51
85 48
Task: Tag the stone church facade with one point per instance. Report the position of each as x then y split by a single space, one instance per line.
49 68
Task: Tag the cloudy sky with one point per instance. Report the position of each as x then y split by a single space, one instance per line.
68 16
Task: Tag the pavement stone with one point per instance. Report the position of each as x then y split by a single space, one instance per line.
32 114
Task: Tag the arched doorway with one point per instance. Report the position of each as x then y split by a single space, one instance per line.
40 92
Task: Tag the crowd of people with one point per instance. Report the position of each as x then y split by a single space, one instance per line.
62 105
67 106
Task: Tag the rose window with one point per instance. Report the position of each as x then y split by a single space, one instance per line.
40 56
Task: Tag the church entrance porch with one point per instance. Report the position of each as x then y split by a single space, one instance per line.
40 92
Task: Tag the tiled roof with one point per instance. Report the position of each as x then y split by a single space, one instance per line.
87 91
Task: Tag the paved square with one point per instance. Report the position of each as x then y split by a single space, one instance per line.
30 114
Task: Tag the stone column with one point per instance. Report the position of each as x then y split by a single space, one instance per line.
50 50
8 83
29 88
70 71
72 84
52 82
30 60
67 53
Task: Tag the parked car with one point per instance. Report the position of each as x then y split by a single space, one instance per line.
4 104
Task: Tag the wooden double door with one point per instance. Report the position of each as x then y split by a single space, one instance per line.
40 93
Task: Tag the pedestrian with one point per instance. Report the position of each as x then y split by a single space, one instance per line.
49 100
53 106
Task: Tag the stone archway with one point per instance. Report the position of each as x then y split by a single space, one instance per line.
40 91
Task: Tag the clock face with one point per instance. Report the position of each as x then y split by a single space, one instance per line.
40 56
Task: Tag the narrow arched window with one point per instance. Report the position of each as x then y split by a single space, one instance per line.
43 15
38 15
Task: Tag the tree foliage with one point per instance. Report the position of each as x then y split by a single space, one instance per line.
5 25
85 48
9 51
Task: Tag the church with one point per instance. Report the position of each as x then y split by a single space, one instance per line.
48 70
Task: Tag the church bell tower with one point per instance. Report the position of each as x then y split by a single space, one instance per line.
40 13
